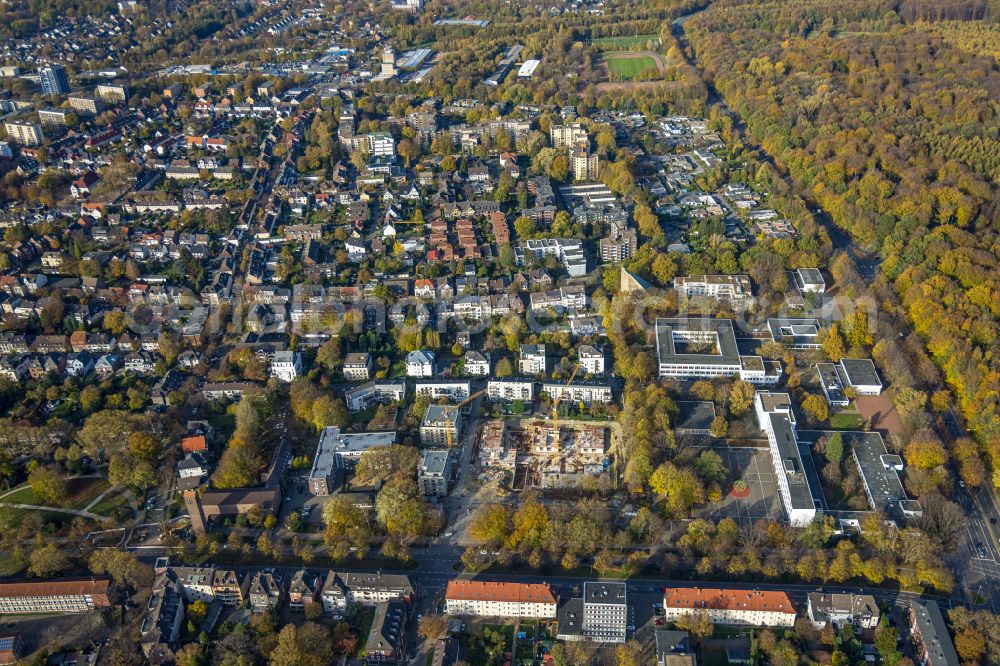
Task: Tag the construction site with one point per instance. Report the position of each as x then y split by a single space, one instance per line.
541 454
531 453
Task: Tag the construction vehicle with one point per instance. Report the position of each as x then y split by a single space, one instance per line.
448 410
555 415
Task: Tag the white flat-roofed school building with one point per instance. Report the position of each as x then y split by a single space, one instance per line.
777 420
724 360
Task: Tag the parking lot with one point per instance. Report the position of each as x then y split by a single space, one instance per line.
753 466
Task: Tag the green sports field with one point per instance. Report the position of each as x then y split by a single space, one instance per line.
624 43
629 66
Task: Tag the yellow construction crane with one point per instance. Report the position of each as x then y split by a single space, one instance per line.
449 408
555 414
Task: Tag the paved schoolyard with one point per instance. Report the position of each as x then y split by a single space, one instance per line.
754 466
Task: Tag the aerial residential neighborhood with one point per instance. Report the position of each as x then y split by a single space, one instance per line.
524 334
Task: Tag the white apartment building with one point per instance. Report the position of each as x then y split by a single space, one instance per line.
87 105
286 365
370 589
112 92
591 360
26 134
57 595
564 298
567 250
510 389
486 599
753 608
584 164
434 473
451 389
381 144
810 281
476 364
733 289
824 608
341 590
578 391
420 363
441 423
532 360
358 366
366 395
567 136
605 612
209 584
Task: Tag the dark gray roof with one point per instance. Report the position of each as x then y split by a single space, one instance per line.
832 384
434 461
880 479
824 604
604 593
666 348
570 617
671 642
791 462
860 372
379 581
926 615
792 330
811 276
388 629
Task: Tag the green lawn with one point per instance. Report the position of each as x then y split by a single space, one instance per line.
110 503
223 423
14 516
624 43
79 493
481 651
363 624
847 421
630 67
23 495
9 566
723 631
526 645
82 492
714 656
